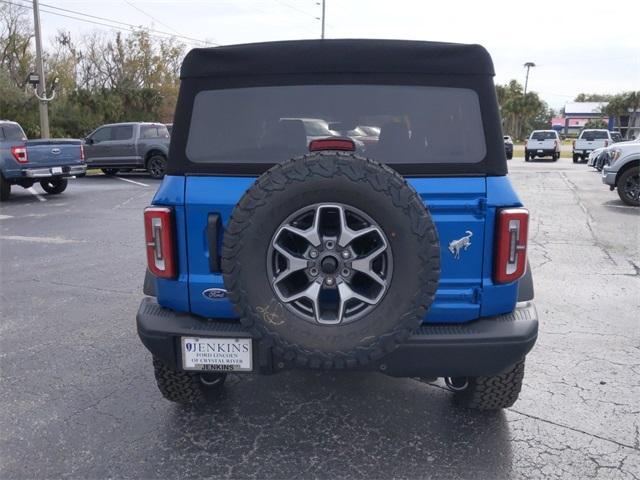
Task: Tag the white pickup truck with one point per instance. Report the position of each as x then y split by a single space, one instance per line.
542 143
588 141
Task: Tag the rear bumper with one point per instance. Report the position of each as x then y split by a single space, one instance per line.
487 346
46 172
541 152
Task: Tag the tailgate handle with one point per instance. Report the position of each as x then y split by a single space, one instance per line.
214 224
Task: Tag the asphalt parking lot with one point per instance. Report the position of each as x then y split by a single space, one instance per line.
78 398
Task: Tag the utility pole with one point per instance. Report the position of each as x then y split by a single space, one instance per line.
323 10
41 88
528 65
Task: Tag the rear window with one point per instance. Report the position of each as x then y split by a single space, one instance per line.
590 135
410 124
11 132
154 131
544 136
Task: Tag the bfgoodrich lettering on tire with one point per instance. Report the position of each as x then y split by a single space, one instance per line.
331 258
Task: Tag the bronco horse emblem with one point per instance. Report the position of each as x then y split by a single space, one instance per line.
456 245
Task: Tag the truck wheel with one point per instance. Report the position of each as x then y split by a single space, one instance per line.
187 388
575 158
555 157
628 185
488 393
331 258
109 171
54 185
5 189
157 165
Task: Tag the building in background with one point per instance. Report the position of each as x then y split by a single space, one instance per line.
577 114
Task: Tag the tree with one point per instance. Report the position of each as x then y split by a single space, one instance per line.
101 77
521 113
595 123
592 97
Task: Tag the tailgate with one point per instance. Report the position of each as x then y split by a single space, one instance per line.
458 207
48 153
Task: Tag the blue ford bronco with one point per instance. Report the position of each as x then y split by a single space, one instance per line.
268 251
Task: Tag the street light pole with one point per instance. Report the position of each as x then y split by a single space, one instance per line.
41 88
323 10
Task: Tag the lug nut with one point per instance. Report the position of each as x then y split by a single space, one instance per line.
329 245
313 254
345 254
345 272
329 281
313 271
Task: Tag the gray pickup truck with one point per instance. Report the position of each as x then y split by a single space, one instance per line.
24 162
125 146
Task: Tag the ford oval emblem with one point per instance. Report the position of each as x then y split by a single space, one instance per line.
214 293
55 151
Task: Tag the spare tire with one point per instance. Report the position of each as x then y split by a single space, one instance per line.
332 259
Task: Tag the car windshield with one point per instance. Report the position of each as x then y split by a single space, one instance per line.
413 124
590 135
543 136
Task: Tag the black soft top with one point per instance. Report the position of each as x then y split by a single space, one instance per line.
337 56
339 62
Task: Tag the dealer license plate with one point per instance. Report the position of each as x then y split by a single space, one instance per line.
55 170
217 354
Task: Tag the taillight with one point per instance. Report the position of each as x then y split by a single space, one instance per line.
526 142
511 244
574 144
344 144
159 233
20 154
82 152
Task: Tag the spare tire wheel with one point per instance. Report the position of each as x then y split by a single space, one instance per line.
332 259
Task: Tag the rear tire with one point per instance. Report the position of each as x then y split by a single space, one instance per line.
54 185
575 158
490 393
187 388
628 185
109 171
156 166
5 189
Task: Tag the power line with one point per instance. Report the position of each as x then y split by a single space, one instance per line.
298 9
125 26
151 17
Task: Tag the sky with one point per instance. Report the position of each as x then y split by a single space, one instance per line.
585 46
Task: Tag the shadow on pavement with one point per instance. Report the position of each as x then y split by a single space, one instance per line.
300 425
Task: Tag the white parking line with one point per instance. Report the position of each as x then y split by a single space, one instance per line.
5 217
32 191
19 238
132 181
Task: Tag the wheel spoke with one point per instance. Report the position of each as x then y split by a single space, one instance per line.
363 264
347 234
294 263
311 234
